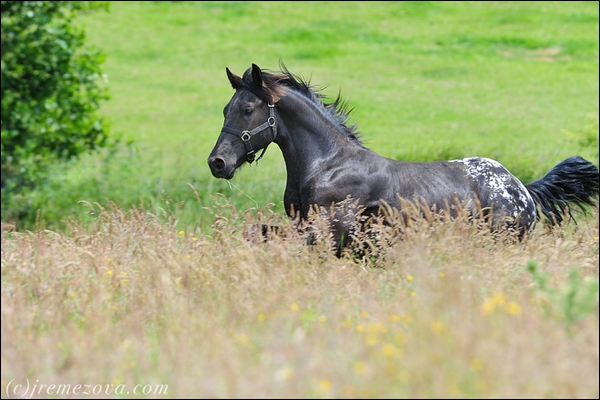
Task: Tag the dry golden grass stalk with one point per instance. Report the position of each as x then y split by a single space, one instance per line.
445 309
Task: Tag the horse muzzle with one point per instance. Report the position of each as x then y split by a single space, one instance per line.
220 169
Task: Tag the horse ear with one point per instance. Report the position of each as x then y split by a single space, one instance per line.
236 81
257 75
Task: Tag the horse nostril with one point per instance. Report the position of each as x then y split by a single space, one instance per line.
217 164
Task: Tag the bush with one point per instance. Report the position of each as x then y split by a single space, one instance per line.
51 89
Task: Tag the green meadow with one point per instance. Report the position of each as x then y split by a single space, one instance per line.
138 280
514 81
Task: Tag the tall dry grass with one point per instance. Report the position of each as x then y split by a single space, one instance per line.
448 311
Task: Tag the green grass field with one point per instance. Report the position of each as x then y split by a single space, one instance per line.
170 295
514 81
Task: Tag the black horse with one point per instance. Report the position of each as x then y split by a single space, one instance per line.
328 167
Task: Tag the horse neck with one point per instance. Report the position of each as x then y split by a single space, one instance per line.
307 135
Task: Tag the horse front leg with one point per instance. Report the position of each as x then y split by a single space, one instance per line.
261 233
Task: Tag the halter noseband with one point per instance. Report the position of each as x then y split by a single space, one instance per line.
247 135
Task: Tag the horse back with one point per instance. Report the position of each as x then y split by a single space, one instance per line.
474 184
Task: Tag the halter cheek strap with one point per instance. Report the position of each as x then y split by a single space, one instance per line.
247 135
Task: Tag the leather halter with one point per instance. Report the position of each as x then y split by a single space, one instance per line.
247 135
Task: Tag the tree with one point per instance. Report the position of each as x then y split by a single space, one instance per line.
52 87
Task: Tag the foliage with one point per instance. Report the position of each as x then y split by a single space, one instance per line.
572 302
52 86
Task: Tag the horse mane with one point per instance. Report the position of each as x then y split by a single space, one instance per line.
275 84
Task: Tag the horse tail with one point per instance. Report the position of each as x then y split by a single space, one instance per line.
572 181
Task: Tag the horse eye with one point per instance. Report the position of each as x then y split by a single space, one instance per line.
248 111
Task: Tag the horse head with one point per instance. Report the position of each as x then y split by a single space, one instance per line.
249 124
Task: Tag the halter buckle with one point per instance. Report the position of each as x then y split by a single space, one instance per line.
245 136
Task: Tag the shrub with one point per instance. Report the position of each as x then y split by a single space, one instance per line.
51 89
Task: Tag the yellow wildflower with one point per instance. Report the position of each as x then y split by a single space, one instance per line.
475 364
359 368
388 350
325 385
512 308
437 327
242 338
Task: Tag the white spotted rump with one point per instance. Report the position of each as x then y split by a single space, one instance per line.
500 190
